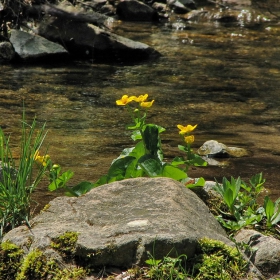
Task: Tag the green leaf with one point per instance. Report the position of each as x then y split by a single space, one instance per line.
197 160
198 183
178 161
136 135
173 172
182 148
119 166
80 189
138 151
152 262
151 165
151 138
133 170
61 181
268 208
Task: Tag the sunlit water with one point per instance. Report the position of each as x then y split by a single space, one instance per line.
223 77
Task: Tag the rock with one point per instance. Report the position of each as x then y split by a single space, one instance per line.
87 41
133 10
266 251
119 222
33 47
181 6
213 148
7 52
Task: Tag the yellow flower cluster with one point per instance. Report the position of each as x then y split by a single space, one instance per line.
43 160
186 130
141 99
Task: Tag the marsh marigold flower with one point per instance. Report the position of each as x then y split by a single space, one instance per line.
43 160
147 104
186 129
141 98
189 139
125 100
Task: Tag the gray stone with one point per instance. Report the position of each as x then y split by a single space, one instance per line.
266 251
135 11
213 148
88 41
7 51
119 223
32 47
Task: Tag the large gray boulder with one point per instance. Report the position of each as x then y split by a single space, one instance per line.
119 223
87 41
33 47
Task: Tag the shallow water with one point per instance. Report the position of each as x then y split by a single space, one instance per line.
222 76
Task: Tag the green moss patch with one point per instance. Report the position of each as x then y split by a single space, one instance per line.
14 265
65 243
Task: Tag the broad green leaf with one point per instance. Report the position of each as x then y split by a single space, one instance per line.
138 151
151 165
173 172
133 170
197 160
119 166
151 138
80 189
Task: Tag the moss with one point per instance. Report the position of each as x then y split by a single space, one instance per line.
10 260
65 243
216 260
35 265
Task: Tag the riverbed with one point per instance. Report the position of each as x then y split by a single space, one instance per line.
222 76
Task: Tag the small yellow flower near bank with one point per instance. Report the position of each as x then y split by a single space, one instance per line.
186 129
189 139
125 100
147 104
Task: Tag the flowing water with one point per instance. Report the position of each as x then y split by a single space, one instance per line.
225 77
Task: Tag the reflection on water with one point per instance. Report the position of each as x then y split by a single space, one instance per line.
225 78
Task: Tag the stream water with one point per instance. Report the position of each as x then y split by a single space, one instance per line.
222 76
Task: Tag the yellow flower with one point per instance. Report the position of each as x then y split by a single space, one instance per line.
186 129
41 159
125 100
141 98
189 139
147 104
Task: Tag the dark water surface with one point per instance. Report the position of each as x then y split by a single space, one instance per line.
223 77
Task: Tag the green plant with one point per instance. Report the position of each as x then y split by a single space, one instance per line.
242 205
167 268
218 261
145 158
272 211
19 179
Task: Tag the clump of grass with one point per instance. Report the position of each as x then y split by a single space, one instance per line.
19 179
